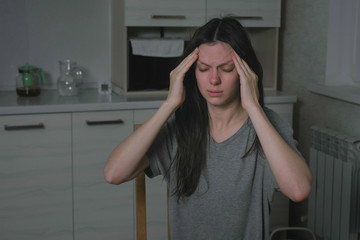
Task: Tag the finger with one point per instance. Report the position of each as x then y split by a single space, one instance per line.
247 68
191 60
188 61
244 66
247 71
239 66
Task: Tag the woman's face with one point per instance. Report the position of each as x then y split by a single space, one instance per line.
217 78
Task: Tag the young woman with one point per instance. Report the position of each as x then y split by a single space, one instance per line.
222 153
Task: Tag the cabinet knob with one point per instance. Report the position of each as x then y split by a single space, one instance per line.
104 122
24 127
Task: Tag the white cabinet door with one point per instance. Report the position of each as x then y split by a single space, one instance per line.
101 210
36 178
251 13
164 13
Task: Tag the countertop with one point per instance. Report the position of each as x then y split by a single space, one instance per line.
89 100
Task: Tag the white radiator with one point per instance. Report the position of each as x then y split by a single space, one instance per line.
334 203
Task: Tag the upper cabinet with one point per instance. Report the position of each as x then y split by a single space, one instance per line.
193 13
251 13
164 13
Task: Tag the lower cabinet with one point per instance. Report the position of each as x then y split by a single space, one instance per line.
101 210
51 177
35 177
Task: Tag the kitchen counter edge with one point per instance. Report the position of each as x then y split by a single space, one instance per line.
49 102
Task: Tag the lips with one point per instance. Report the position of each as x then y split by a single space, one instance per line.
214 93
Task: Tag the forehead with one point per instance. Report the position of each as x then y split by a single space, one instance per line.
217 52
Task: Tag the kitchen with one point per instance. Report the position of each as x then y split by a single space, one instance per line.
44 32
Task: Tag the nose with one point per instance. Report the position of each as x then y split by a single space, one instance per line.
215 78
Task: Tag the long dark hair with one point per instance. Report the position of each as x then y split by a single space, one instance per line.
192 117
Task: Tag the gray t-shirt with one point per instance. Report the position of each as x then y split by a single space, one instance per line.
233 200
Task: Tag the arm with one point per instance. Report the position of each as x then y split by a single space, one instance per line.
290 169
128 159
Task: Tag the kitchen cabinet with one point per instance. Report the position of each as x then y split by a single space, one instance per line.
259 13
179 19
101 210
166 13
36 177
52 183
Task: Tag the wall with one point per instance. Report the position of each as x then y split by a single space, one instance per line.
302 60
13 48
43 32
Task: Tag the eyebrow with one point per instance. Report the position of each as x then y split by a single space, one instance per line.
221 65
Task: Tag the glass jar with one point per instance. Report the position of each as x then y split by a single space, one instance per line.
28 81
70 78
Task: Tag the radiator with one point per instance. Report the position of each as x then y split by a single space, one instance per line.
334 203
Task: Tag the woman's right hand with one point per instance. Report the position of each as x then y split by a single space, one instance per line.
176 94
129 158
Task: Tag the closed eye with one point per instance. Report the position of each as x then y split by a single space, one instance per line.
228 69
203 69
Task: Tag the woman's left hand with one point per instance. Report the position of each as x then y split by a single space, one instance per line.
289 168
249 91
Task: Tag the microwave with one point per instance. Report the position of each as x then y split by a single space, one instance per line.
147 73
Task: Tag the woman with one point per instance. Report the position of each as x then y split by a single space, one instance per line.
222 153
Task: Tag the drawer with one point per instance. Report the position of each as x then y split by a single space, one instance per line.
251 13
164 13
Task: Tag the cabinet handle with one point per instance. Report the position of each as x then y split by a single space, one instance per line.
104 122
169 17
248 17
24 127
